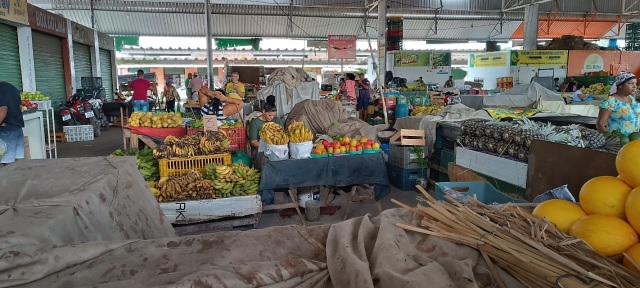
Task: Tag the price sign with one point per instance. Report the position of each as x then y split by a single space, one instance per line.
210 122
66 117
89 114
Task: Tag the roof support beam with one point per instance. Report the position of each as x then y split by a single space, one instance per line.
521 4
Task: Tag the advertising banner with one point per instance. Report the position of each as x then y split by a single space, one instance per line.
342 47
586 61
412 59
539 57
492 59
441 62
14 11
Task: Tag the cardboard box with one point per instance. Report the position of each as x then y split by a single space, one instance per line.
210 122
27 151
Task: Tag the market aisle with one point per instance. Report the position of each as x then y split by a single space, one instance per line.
272 218
109 141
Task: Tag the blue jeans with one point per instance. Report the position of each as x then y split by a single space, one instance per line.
13 138
140 105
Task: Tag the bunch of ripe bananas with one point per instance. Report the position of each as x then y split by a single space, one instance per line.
299 133
426 110
234 180
212 142
273 134
189 186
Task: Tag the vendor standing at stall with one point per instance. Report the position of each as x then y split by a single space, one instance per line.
11 123
364 96
235 88
170 95
217 103
196 84
140 87
269 112
620 111
187 85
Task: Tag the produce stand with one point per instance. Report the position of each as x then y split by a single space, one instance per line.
108 203
47 108
330 171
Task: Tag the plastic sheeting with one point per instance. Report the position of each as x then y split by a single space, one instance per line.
363 252
303 91
527 96
70 201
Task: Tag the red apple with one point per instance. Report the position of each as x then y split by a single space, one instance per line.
370 141
358 147
325 143
336 145
352 149
367 146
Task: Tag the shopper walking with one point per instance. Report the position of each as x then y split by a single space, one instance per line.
196 84
187 84
170 95
11 124
235 88
140 87
364 97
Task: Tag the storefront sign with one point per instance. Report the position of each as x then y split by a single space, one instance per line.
412 59
586 61
342 47
14 11
82 34
105 41
493 59
45 21
539 57
441 62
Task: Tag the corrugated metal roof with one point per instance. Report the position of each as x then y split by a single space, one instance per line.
594 30
461 30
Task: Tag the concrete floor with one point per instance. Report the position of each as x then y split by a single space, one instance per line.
111 140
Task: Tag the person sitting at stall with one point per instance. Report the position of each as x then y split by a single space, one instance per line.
170 95
217 103
580 96
268 115
620 111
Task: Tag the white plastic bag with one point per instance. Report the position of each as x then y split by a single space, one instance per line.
277 152
262 146
301 150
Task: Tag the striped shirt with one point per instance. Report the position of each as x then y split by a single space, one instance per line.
209 109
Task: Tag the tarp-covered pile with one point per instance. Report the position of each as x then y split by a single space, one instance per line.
361 252
531 95
88 199
290 86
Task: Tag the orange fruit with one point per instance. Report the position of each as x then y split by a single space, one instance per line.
604 195
607 235
627 165
634 253
632 209
560 212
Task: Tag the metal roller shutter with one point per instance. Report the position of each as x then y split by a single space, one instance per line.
81 62
10 56
49 66
106 73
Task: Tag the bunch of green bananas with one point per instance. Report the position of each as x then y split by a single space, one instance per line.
145 160
273 134
299 133
234 180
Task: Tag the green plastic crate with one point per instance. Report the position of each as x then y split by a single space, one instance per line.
446 157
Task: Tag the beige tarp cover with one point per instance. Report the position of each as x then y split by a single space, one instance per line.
70 201
361 252
327 117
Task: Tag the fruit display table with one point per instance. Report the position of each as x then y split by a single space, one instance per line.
331 171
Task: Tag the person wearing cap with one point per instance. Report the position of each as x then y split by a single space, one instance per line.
170 94
196 83
620 111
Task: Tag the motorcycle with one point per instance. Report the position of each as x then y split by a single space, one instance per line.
78 111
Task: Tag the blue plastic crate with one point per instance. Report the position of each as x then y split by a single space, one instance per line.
403 179
484 192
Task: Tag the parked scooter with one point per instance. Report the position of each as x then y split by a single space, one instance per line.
78 111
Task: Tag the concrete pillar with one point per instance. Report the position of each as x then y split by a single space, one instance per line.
72 64
531 13
382 41
95 55
27 67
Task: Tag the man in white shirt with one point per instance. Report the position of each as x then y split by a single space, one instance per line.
196 83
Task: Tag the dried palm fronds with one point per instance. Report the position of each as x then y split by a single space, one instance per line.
531 249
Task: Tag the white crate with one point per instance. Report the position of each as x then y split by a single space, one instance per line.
43 105
78 133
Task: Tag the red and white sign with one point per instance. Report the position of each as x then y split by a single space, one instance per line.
342 47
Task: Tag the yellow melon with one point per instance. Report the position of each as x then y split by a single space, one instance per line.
632 209
634 253
560 212
604 195
607 235
627 163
